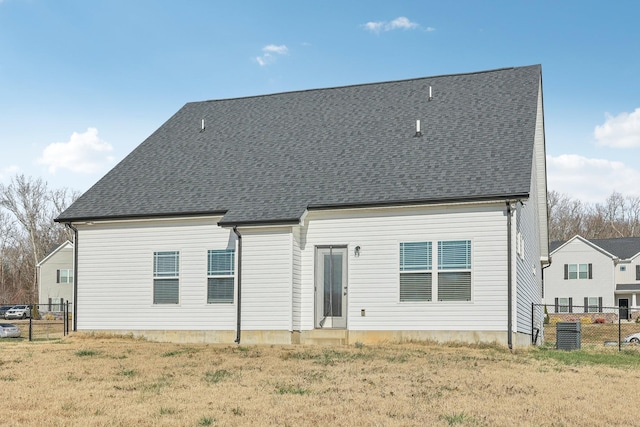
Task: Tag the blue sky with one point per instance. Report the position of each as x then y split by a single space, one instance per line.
82 83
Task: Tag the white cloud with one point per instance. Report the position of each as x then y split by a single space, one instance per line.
591 180
400 23
374 27
621 131
83 153
270 52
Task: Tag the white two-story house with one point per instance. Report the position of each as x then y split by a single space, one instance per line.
593 276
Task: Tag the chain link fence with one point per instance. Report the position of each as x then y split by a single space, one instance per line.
41 321
599 326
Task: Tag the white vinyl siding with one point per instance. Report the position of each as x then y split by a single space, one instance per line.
531 223
166 280
267 276
220 276
125 301
374 276
296 291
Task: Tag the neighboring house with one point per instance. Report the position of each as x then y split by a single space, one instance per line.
589 275
55 278
393 211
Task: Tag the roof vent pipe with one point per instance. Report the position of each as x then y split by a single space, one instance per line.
202 126
418 131
430 93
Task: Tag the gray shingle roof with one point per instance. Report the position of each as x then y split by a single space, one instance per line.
269 158
623 248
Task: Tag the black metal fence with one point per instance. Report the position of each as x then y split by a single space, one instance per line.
43 321
598 326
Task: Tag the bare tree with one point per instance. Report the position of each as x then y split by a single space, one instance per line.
633 209
34 207
565 216
7 240
618 216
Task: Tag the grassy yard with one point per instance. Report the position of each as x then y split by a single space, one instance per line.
86 380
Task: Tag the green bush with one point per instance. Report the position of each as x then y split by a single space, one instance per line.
546 316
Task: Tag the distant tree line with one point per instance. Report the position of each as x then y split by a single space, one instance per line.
618 216
28 234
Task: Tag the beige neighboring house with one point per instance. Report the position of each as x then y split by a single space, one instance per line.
55 278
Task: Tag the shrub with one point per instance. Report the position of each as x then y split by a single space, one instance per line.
546 316
599 320
586 320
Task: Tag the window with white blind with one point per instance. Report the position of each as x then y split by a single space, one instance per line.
220 276
166 280
415 271
454 270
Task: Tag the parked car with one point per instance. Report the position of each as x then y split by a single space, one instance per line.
7 330
18 312
634 338
4 309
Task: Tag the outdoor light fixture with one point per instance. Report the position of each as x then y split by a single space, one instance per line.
356 251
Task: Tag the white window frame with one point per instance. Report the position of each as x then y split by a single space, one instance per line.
65 275
460 267
563 305
575 271
593 307
415 270
168 277
214 275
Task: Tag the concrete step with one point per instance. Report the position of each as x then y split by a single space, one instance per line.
325 337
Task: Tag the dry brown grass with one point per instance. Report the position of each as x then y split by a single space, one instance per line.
113 381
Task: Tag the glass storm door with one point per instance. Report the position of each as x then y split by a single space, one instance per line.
331 287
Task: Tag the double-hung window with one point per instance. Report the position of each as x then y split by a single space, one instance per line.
564 305
578 271
64 276
166 280
220 276
593 305
415 271
454 270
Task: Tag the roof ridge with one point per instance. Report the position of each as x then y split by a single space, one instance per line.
206 101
